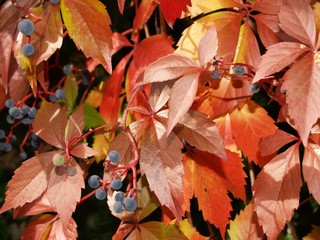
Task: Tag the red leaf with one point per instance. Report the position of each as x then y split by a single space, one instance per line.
88 24
302 84
208 46
268 28
271 144
159 94
29 181
121 5
119 41
37 227
311 169
59 231
277 191
245 225
160 161
75 124
207 177
144 12
81 150
40 205
50 123
110 105
65 191
169 67
182 95
269 7
297 20
173 9
124 230
201 132
277 58
6 46
254 121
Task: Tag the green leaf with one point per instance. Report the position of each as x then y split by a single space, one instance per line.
92 118
71 90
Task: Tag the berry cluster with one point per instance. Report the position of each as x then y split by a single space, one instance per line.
23 113
4 146
124 203
59 94
26 27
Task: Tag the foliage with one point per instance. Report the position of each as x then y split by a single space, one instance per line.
217 136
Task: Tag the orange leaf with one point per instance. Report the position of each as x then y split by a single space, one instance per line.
245 225
88 24
207 177
37 227
250 123
173 9
143 13
277 191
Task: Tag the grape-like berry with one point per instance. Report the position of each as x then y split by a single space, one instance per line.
52 98
100 194
215 74
238 70
28 49
27 121
32 112
254 88
23 155
24 110
60 94
119 197
117 207
71 171
2 134
116 184
130 204
67 69
26 27
114 156
14 112
93 181
283 91
10 119
9 103
54 1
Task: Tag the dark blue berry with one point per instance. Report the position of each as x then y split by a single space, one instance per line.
93 181
26 27
9 103
28 49
215 74
114 156
119 197
254 88
116 184
14 112
130 204
100 194
23 155
54 1
52 98
60 94
67 69
238 70
32 112
24 110
10 119
2 134
117 207
27 121
71 171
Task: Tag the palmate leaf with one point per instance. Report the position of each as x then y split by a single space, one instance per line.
88 24
245 225
29 181
277 190
160 161
173 9
209 179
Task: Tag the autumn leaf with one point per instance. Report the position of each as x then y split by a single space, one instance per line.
88 24
199 131
311 168
64 191
188 230
277 190
297 19
245 225
207 177
173 9
187 71
37 227
253 120
156 230
144 12
302 86
160 161
29 181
